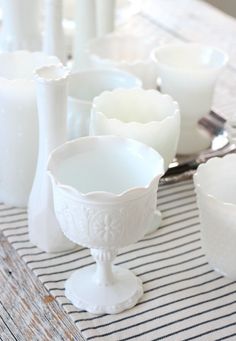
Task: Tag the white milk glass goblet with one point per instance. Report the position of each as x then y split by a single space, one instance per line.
188 73
83 87
145 115
215 185
104 197
128 53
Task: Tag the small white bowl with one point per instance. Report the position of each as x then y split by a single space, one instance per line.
83 87
215 184
145 115
129 53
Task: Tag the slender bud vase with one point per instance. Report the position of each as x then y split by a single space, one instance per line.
21 25
105 12
51 87
53 39
85 31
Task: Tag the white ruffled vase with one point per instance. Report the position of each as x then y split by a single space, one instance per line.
44 229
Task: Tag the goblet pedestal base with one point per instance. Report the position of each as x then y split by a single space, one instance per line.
85 293
192 141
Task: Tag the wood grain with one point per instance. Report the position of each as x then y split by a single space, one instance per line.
27 311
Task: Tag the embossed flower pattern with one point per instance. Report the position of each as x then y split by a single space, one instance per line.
107 226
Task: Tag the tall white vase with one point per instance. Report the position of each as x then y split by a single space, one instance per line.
51 87
53 39
85 31
21 25
105 12
18 124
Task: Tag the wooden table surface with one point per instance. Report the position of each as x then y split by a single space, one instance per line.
27 311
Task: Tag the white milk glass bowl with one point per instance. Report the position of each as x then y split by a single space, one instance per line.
145 115
188 73
83 87
18 124
129 53
104 196
215 185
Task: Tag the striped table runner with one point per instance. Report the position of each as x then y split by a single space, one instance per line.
184 299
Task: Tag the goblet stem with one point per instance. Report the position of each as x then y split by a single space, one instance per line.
104 275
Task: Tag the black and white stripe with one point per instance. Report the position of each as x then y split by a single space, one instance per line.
184 299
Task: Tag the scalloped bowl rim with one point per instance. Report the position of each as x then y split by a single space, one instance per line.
199 186
176 111
92 195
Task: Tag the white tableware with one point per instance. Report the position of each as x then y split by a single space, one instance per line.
18 124
215 184
188 72
83 87
20 28
44 230
53 39
105 13
129 53
145 115
105 197
85 18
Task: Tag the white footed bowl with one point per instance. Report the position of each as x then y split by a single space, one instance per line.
215 184
104 197
188 73
129 53
145 115
83 87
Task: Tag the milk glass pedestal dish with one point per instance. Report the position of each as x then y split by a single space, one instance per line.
128 53
188 73
18 124
104 196
215 184
83 87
